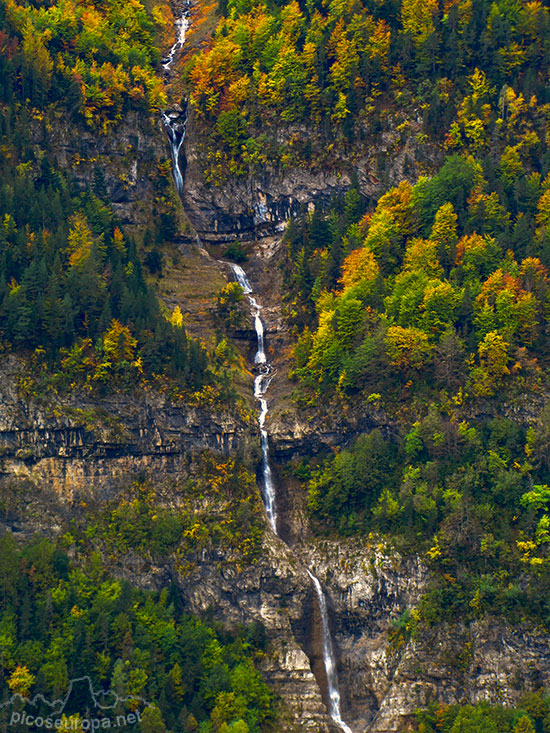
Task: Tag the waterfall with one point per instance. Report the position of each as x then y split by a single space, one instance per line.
182 25
172 120
261 384
176 131
329 659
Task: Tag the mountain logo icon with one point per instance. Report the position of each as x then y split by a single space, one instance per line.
82 709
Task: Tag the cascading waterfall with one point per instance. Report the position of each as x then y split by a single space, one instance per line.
328 658
172 120
261 384
176 131
182 25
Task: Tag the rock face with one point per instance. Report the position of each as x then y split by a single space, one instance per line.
276 592
82 446
383 683
261 204
125 167
367 587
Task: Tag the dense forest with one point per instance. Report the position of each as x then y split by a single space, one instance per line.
78 309
427 310
336 75
533 716
435 310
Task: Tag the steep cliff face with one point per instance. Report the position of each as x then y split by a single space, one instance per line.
276 592
384 682
83 449
56 457
383 679
368 587
260 204
123 165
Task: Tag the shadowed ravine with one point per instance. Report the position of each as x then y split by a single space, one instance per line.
175 124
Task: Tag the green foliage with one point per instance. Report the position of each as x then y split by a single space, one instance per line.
409 275
348 485
141 523
464 497
61 621
72 289
235 251
531 715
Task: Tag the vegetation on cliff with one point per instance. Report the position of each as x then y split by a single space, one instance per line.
73 289
433 308
218 509
531 716
430 312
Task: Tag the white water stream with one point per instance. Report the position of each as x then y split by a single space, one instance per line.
328 659
181 24
172 120
261 383
176 131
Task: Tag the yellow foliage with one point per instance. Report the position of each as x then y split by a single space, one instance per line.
79 241
417 18
493 355
407 347
471 244
434 552
359 265
118 241
444 227
177 317
21 681
118 343
421 254
543 213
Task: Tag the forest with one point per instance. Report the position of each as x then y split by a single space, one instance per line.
337 75
62 620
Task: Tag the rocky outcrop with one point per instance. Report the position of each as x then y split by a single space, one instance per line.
368 586
260 205
125 166
85 447
276 592
383 683
58 455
